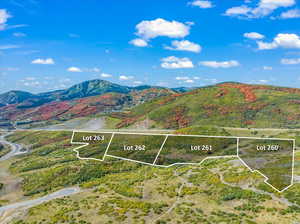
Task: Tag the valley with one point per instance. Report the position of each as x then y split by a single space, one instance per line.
42 162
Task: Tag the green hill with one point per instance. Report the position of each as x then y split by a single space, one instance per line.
226 104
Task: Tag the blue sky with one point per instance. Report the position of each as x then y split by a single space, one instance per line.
48 45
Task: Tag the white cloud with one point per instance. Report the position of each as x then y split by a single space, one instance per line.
182 78
189 81
137 82
290 61
202 4
149 29
124 77
264 8
19 34
196 77
266 46
4 16
220 64
290 14
48 61
173 62
139 42
184 45
92 69
8 46
105 75
263 81
32 83
283 40
238 11
267 68
254 35
74 69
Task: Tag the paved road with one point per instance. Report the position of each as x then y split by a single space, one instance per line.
16 149
34 202
8 212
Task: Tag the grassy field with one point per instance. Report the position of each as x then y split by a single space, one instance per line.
218 191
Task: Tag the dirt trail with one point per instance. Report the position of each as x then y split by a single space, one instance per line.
246 187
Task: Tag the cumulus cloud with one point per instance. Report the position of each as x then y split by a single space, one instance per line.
182 78
189 81
138 42
137 82
220 64
173 62
282 40
290 14
105 75
264 8
124 77
290 61
267 68
95 69
47 61
202 4
184 45
4 16
254 35
149 29
74 69
238 11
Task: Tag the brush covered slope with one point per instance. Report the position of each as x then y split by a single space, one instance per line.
225 104
84 99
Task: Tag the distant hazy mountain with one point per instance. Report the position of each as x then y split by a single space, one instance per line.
13 97
224 104
86 98
81 90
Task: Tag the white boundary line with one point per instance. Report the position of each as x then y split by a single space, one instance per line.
199 163
131 160
204 136
266 178
83 144
162 146
105 153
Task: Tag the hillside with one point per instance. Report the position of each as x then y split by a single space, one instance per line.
87 98
225 104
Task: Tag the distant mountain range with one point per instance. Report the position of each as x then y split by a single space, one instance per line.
81 90
224 104
82 99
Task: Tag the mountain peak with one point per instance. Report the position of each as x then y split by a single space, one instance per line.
15 96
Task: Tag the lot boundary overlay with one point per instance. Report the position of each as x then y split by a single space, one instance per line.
272 158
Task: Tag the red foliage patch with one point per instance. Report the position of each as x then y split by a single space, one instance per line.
51 110
178 120
249 122
246 90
